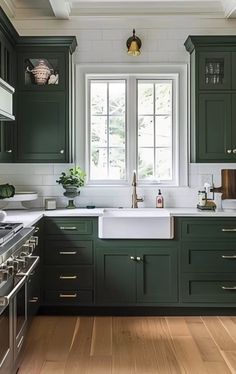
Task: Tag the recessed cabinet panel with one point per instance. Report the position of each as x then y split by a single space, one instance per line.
41 127
157 275
115 279
214 127
214 70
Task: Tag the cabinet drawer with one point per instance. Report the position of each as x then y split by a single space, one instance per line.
69 227
208 229
209 288
67 278
71 297
76 252
208 257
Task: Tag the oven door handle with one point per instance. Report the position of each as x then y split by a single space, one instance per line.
5 300
32 267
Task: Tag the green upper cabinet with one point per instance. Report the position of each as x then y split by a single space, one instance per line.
43 126
214 72
213 99
8 37
44 102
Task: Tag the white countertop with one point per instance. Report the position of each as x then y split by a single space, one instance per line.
31 216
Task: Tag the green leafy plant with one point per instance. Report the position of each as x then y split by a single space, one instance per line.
75 177
6 190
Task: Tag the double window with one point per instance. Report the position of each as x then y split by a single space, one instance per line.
132 124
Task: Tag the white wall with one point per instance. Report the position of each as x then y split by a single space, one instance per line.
102 40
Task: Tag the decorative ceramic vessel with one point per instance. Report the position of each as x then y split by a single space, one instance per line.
71 193
41 72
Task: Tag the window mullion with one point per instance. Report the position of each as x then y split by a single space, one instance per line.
154 130
108 144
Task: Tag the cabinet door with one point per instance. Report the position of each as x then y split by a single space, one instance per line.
214 70
157 275
42 127
214 128
234 70
234 126
7 61
115 278
7 141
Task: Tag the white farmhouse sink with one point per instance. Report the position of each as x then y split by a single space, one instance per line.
136 224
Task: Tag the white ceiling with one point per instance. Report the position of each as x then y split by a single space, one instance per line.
65 9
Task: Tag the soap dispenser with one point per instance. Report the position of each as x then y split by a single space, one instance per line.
159 200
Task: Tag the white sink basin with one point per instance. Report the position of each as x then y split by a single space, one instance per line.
136 224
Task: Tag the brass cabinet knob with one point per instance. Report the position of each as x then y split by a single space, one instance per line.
9 151
234 150
138 259
132 258
229 150
62 151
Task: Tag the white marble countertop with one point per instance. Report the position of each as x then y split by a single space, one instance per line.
31 216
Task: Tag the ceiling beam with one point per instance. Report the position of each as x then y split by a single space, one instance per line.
229 8
61 8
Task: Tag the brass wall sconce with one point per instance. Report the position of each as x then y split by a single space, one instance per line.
134 44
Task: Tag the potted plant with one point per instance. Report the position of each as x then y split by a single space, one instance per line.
71 182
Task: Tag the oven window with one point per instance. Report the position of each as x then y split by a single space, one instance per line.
4 334
20 309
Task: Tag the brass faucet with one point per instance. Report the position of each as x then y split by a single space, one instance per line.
135 199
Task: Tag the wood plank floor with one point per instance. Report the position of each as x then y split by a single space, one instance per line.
130 345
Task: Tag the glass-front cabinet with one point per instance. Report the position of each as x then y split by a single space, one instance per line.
214 70
213 98
42 71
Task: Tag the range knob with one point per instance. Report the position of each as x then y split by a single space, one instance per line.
4 275
34 240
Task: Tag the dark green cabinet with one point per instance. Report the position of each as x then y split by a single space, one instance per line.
213 98
42 133
8 74
44 101
127 274
115 276
208 261
68 261
214 128
157 275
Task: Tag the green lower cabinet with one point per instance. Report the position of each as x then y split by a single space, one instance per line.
208 288
157 275
115 276
136 275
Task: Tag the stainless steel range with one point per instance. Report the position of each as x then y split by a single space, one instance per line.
18 263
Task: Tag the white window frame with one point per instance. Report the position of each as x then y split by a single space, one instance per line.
178 74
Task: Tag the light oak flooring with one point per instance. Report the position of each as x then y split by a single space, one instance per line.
130 345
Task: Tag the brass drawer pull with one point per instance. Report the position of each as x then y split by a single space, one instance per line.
34 300
71 296
69 277
68 228
68 252
230 257
228 288
228 230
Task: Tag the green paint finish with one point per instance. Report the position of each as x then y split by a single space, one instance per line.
208 257
208 288
68 226
213 85
115 276
68 252
42 127
193 229
68 277
157 275
214 127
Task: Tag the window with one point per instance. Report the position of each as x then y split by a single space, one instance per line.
132 123
154 108
107 129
